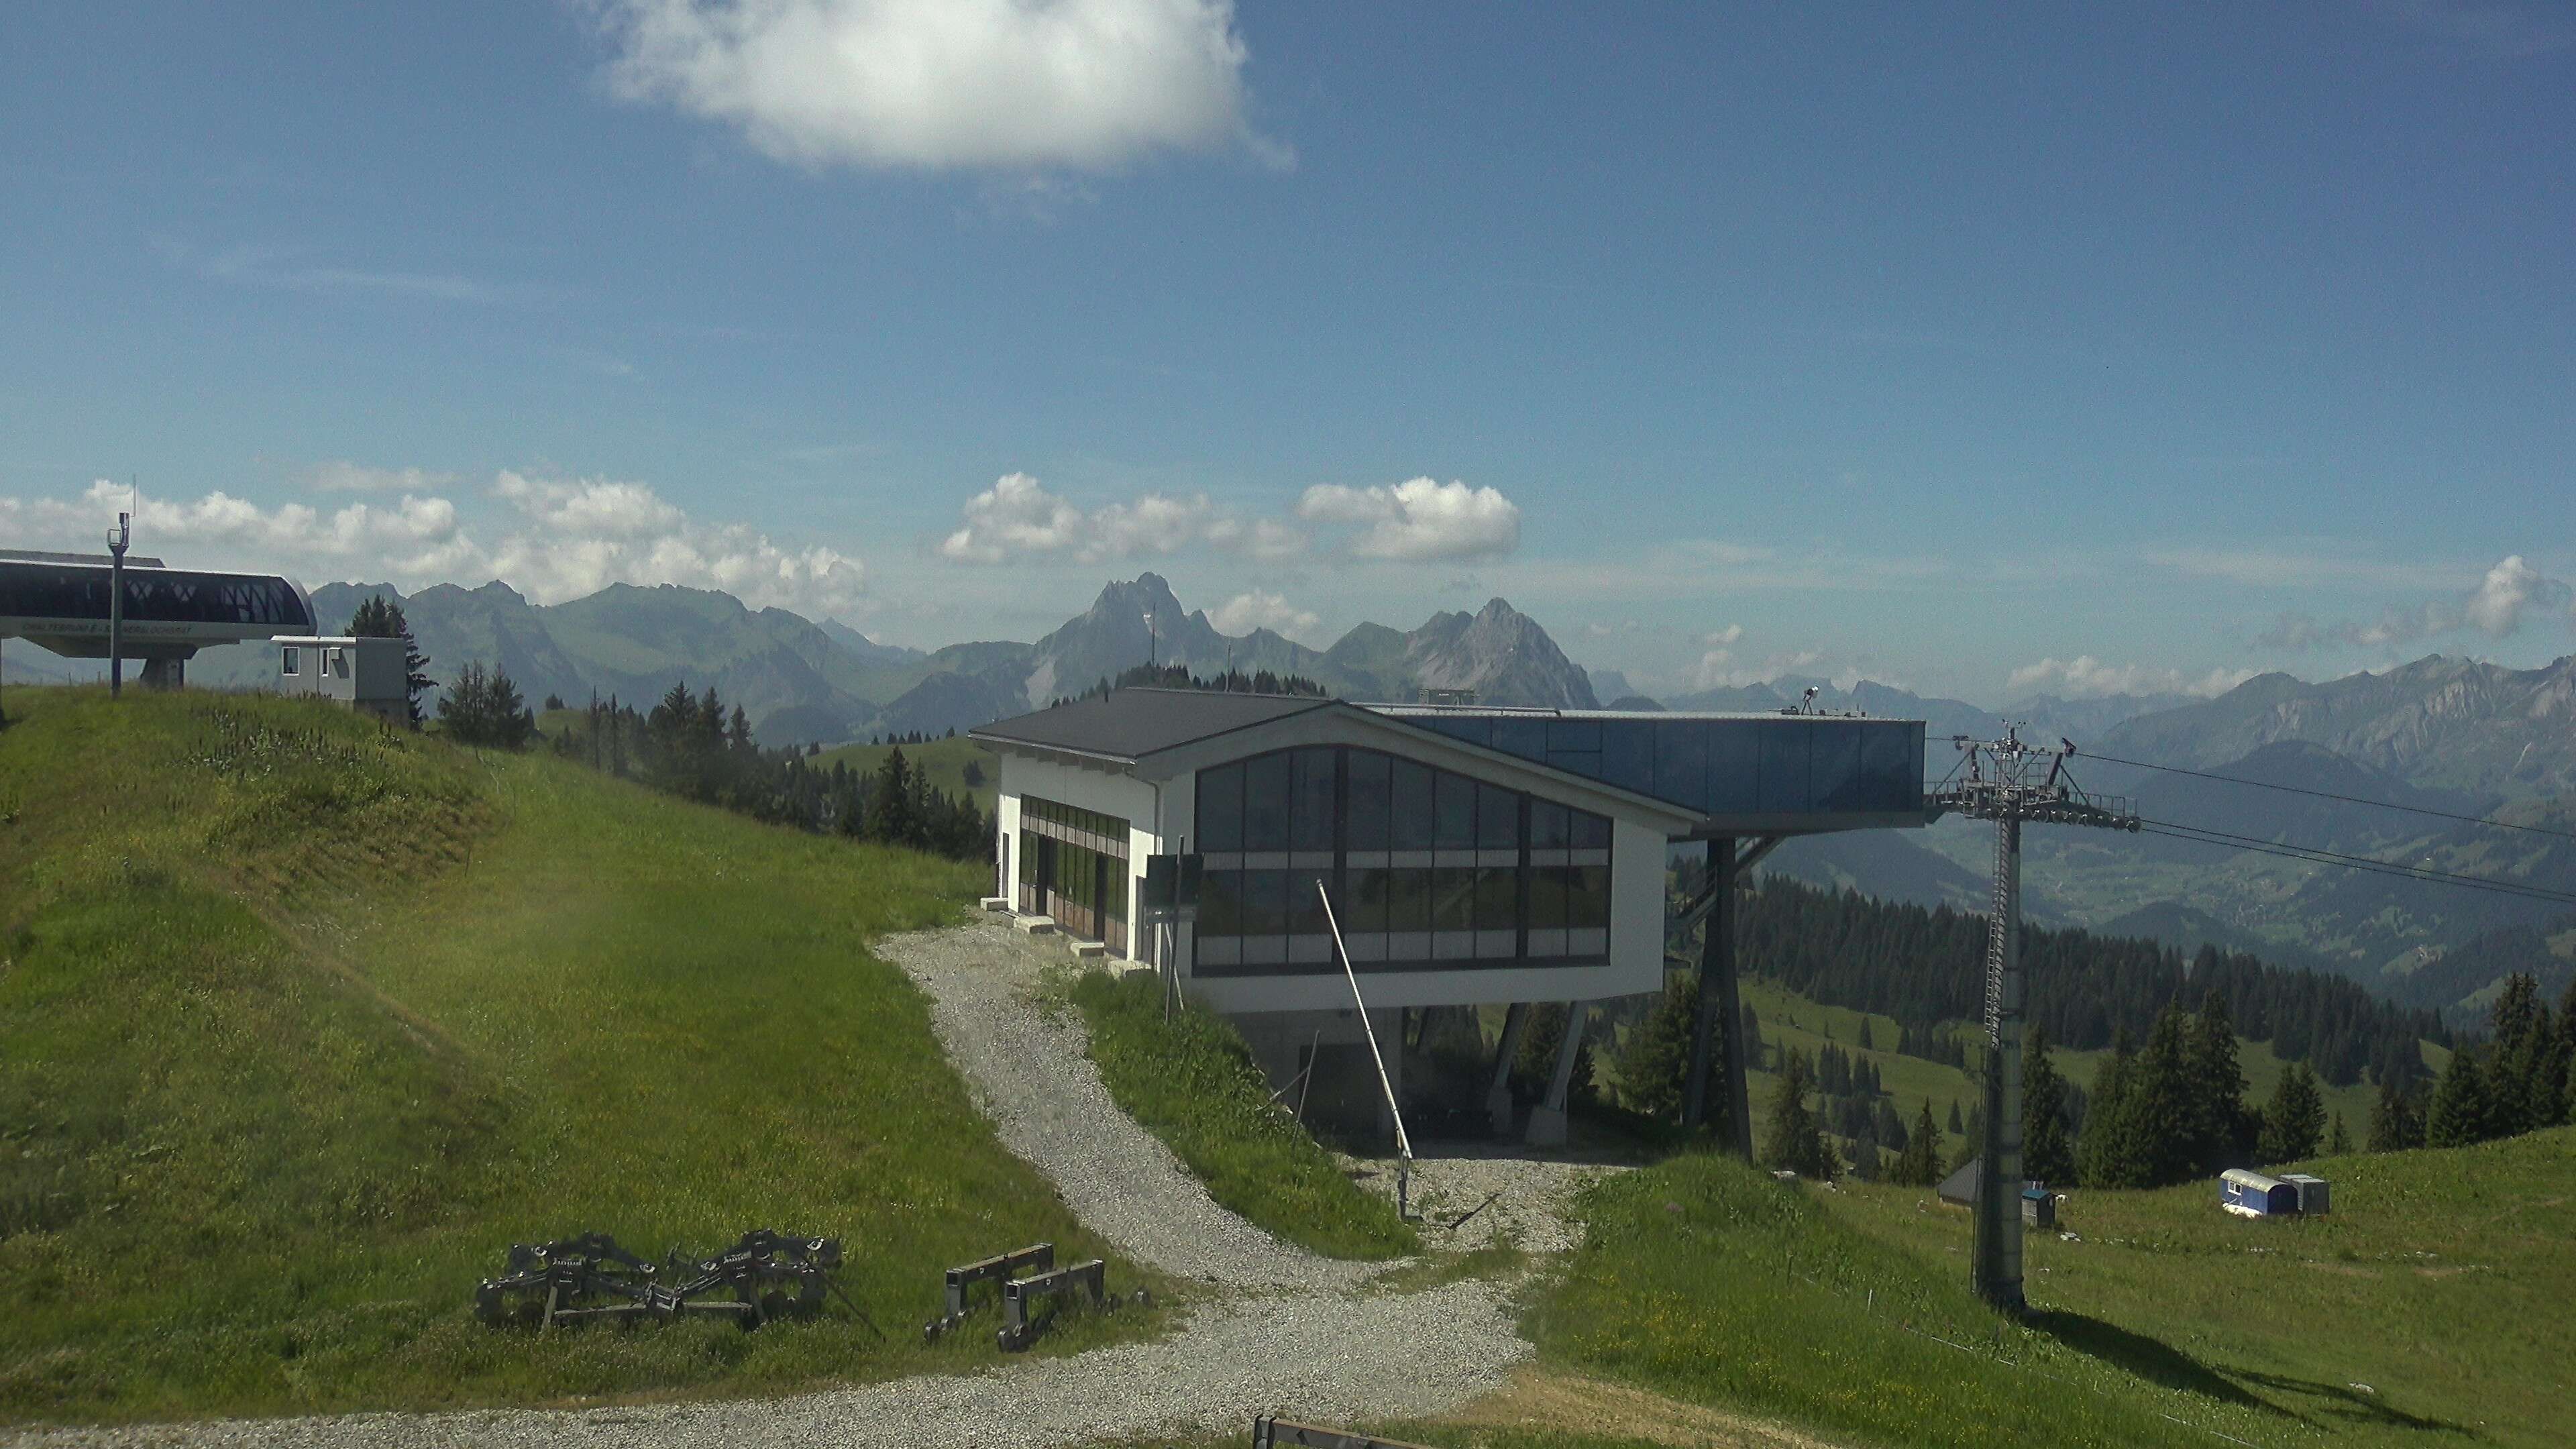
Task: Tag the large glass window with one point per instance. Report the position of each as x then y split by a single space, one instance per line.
1310 816
1371 800
1266 781
1515 877
1221 808
1414 813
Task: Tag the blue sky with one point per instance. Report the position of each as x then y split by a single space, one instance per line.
1950 350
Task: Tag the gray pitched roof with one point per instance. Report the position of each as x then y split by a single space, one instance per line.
1129 724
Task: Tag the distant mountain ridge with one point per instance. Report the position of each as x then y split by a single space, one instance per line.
802 681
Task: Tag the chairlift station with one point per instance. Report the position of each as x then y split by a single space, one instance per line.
1473 855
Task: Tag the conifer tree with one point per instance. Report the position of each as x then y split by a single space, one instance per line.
2338 1141
2522 1090
2395 1124
1919 1163
2461 1111
2218 1123
2047 1155
2157 1113
2102 1153
2294 1119
1956 1127
1655 1061
1796 1142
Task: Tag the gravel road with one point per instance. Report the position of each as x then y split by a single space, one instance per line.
1287 1331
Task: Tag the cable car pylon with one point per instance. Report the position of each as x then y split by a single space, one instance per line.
2010 783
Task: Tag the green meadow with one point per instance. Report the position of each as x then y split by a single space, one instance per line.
303 1023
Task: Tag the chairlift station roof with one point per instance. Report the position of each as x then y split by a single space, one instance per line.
61 601
1727 774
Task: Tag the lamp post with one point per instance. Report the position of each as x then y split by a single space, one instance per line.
116 546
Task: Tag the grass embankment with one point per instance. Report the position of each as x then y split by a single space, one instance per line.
1192 1083
303 1024
2442 1280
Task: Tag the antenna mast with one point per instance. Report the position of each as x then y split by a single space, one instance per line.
117 543
2010 783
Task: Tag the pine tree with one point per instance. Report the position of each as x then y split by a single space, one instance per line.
2395 1124
2294 1119
2157 1110
2338 1141
2102 1153
2218 1122
1655 1061
1918 1164
893 818
2047 1155
485 709
2522 1090
1956 1127
1796 1142
2462 1110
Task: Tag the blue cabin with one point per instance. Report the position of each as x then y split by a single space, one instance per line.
2251 1194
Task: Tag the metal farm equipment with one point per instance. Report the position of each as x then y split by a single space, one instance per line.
762 1276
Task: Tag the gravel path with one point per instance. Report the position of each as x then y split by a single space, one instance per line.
1027 1068
1290 1333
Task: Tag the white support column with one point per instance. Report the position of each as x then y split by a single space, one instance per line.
1498 1097
1547 1127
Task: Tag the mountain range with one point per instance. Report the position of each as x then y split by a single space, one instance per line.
802 681
2459 737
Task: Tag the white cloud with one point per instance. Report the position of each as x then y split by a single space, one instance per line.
1018 518
571 537
342 476
590 506
1007 84
1246 612
2497 607
1722 638
1418 519
2085 677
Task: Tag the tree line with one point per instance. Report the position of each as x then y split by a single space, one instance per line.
1926 967
694 746
1178 676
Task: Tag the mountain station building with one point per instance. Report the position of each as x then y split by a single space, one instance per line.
1472 856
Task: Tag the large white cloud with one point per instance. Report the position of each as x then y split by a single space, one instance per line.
1009 84
1418 519
559 538
2497 606
2086 677
1018 518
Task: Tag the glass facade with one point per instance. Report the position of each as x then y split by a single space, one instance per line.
152 596
1757 765
1073 869
1427 869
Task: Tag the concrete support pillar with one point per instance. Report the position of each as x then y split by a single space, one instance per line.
1547 1119
1498 1097
164 673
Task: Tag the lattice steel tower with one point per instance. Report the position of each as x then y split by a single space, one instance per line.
2003 781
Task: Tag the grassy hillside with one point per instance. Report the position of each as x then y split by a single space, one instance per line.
2441 1282
303 1024
2424 1311
944 760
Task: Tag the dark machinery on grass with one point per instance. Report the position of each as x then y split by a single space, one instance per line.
762 1276
1022 1280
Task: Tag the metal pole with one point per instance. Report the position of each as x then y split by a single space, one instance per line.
1403 1144
116 545
1998 1257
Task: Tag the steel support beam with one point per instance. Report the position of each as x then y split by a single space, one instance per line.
1998 1259
1717 1029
